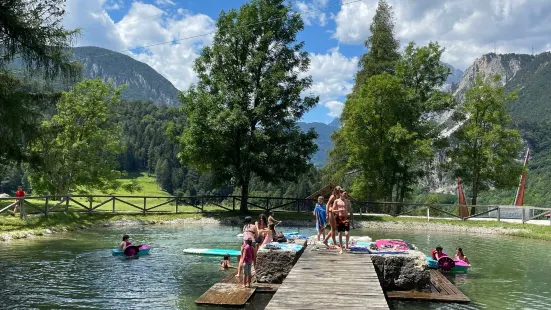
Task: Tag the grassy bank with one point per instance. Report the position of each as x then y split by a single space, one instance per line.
38 225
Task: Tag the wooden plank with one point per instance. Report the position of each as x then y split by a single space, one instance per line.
333 281
227 294
442 290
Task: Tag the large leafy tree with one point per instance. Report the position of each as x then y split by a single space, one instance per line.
32 34
485 148
77 148
242 115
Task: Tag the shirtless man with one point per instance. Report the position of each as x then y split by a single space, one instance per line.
349 208
341 217
330 216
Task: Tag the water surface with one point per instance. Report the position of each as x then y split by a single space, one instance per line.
76 270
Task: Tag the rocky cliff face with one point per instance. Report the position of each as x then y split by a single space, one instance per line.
517 71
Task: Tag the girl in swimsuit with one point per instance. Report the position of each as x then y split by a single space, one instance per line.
125 243
460 256
269 234
261 226
331 216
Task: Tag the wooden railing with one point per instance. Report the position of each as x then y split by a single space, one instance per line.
186 204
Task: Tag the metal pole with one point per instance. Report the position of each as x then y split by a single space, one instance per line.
428 214
523 215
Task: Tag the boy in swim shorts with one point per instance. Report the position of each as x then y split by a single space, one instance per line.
341 217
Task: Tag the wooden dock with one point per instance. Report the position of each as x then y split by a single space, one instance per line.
229 292
442 290
325 279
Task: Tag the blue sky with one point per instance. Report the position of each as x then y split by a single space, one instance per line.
334 34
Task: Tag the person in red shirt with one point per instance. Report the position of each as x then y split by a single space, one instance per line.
19 194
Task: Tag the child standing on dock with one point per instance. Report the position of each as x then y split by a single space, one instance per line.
319 213
343 222
248 258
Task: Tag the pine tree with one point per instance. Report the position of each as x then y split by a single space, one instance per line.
31 33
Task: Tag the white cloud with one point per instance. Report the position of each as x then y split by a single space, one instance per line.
97 28
143 25
335 108
332 76
312 12
466 28
164 2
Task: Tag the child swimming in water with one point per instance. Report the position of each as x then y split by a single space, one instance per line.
226 263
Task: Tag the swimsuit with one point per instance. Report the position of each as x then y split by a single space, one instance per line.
343 224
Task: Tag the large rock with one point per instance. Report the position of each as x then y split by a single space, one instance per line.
273 266
403 272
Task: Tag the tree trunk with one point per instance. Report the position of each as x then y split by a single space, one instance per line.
244 196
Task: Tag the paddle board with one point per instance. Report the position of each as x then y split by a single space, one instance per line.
215 252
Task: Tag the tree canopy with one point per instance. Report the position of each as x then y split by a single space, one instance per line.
31 33
484 148
242 115
77 148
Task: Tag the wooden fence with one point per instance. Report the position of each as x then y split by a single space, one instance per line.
186 204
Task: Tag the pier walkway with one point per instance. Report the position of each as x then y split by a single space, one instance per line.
325 279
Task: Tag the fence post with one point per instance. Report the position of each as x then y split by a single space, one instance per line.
21 203
428 214
498 213
46 207
523 215
298 206
66 203
202 205
90 199
267 204
177 198
144 205
113 200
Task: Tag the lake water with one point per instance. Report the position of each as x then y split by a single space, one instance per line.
76 270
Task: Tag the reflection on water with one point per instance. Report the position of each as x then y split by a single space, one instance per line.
77 271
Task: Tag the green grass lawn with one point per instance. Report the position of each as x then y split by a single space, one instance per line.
148 187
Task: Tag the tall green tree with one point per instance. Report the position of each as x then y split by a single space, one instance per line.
383 47
77 148
31 33
485 148
382 56
242 115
